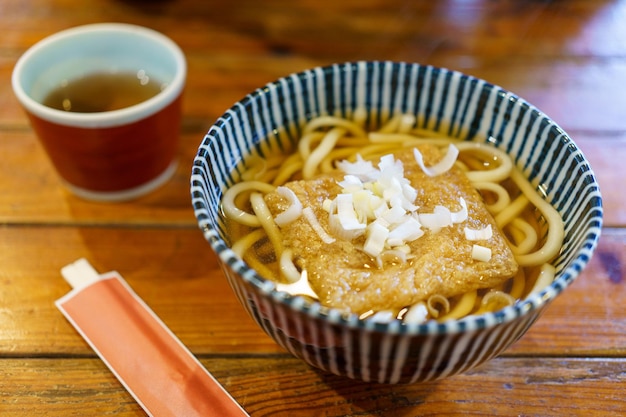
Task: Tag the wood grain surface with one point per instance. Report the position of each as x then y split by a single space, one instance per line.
568 57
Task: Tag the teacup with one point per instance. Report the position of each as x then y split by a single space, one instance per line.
105 153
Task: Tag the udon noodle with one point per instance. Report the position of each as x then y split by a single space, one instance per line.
532 227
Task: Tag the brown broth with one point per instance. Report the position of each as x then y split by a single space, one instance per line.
100 92
261 255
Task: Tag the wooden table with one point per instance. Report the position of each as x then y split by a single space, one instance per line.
567 57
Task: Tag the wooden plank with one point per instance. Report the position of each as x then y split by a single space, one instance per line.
565 57
606 155
565 88
176 273
62 387
476 28
501 387
31 192
282 386
589 311
173 270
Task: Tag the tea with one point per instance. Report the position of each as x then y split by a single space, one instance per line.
100 92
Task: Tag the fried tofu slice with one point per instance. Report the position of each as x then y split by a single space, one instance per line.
345 277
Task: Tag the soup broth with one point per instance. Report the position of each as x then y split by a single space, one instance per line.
532 228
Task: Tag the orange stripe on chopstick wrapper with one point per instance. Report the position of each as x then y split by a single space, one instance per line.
148 359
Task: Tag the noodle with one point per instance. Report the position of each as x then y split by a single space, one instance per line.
267 222
437 304
518 282
556 231
533 228
525 236
290 166
501 172
503 198
242 245
511 211
494 300
235 213
546 276
312 162
287 268
463 307
329 121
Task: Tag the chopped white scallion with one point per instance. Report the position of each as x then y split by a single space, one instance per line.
393 215
382 317
380 202
392 191
461 215
376 201
410 194
351 183
376 238
337 229
408 231
481 253
382 208
287 267
479 234
391 167
293 211
391 255
346 213
361 168
365 204
445 213
437 220
440 167
417 314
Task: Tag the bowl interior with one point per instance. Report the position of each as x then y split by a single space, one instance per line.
445 101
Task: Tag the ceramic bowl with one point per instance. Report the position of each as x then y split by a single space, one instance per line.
451 102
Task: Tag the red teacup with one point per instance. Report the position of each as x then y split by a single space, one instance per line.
108 155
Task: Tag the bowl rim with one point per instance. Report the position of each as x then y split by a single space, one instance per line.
315 310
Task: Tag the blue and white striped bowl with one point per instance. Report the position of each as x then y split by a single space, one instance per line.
445 101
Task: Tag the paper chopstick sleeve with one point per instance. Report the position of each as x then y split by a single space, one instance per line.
147 358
